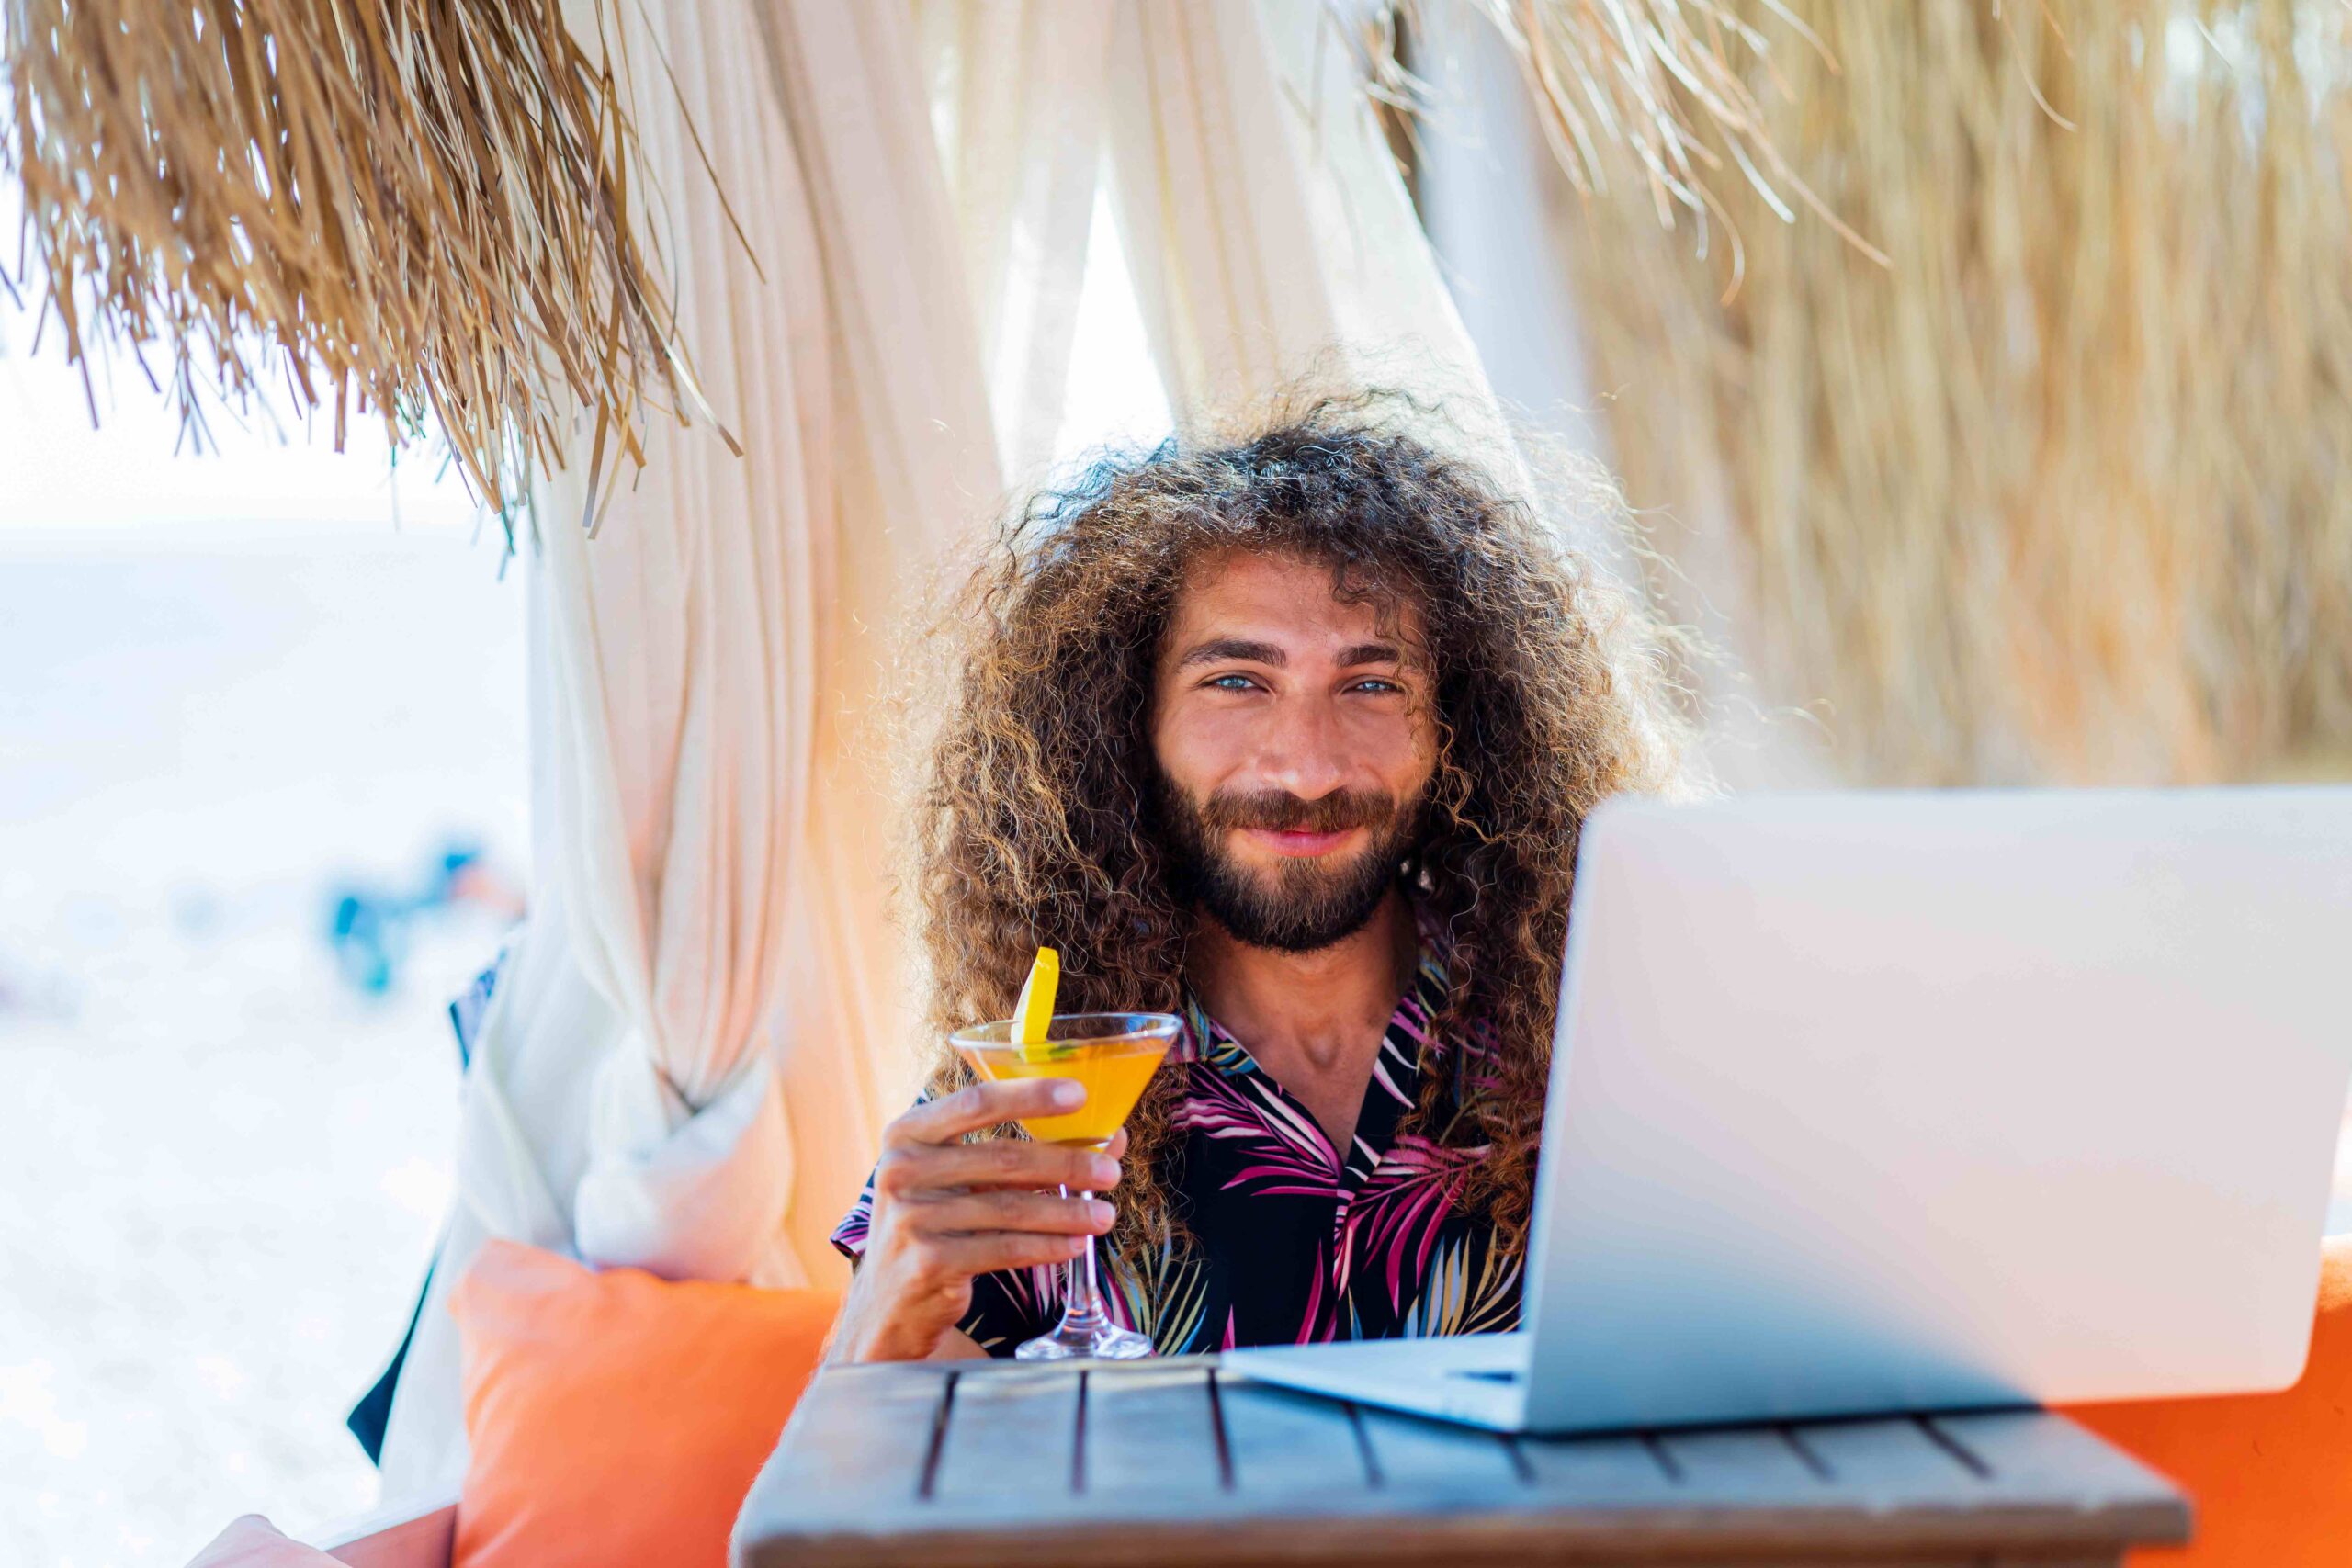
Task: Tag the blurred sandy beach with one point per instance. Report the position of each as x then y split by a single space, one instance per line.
225 1166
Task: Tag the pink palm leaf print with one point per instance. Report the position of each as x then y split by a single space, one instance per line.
1287 1153
1395 1223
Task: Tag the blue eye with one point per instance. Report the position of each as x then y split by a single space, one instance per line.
1376 684
1233 683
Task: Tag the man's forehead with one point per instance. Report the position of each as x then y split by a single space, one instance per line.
1269 591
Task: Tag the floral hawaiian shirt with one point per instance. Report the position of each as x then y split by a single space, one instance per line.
1291 1243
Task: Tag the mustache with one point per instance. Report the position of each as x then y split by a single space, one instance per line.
1278 810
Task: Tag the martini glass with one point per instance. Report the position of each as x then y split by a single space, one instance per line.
1113 1054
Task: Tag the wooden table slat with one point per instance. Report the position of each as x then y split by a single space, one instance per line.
1019 1424
1285 1442
1741 1462
870 1434
2026 1447
1153 1427
1407 1451
1611 1472
1890 1460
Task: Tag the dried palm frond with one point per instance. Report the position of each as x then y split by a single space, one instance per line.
2066 490
1666 96
414 209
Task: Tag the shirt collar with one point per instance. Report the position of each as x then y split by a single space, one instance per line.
1203 1039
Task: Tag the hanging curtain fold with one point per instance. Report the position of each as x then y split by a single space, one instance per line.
1018 90
1269 232
683 1063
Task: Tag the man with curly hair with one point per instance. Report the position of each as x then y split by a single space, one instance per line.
1291 736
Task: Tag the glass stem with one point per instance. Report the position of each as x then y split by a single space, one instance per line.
1082 1288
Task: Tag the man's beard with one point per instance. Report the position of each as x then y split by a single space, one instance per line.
1303 904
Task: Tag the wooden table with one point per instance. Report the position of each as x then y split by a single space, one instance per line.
1174 1463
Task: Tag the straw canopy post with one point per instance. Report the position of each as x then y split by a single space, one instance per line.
411 208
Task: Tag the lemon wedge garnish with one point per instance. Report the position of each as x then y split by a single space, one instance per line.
1033 1012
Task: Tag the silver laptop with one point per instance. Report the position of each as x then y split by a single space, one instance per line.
1871 1102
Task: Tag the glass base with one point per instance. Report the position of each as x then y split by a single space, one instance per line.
1071 1342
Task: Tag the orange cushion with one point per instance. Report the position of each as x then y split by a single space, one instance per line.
2270 1473
617 1418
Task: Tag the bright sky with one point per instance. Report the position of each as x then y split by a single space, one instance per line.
60 475
57 473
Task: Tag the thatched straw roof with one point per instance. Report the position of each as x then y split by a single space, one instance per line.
2065 489
417 210
1671 100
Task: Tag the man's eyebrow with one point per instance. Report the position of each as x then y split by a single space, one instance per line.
1223 648
1368 653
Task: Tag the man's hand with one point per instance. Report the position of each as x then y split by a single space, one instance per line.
945 1211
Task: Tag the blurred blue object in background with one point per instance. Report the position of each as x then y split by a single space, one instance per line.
368 927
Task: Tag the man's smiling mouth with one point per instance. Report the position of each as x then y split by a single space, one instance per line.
1299 841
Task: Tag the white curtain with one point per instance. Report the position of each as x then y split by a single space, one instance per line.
702 1027
686 1058
1267 228
1018 90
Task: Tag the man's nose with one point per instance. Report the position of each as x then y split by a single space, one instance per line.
1300 752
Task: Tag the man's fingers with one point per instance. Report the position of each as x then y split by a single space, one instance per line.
993 1250
1044 1213
911 1171
978 1106
1118 1149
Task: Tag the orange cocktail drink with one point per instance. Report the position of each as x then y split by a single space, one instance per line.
1113 1073
1112 1055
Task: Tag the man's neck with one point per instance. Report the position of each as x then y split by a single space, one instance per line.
1313 1020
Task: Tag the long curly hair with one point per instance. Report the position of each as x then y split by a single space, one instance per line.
1035 822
